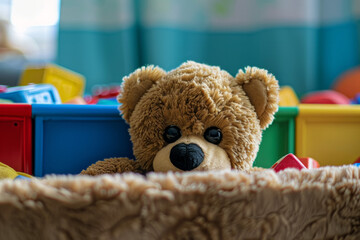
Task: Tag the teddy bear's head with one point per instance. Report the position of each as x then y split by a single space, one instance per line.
197 117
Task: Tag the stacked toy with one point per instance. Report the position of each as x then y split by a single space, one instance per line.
291 161
49 84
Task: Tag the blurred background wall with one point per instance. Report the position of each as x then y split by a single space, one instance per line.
306 44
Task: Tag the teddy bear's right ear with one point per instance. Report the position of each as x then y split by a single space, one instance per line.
135 86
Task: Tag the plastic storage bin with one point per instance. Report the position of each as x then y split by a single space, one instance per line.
330 134
69 138
279 139
69 84
39 93
15 136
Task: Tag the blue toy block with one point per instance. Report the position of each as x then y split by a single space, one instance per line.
69 138
38 93
356 99
356 164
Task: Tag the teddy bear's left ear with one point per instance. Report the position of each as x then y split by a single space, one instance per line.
135 86
262 89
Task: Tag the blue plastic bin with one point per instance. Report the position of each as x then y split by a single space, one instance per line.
69 138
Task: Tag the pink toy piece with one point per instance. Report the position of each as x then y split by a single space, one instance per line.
309 163
3 88
77 100
91 99
288 161
325 97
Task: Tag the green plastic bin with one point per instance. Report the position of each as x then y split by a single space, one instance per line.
279 138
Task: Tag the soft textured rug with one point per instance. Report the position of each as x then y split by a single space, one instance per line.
310 204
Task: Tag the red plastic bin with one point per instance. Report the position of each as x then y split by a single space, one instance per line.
15 136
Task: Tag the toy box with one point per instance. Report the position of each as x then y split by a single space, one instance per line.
69 138
39 93
15 136
328 133
69 84
279 139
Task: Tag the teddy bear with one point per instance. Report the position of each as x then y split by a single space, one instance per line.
194 118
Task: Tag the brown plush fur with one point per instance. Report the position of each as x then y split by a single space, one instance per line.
310 204
195 97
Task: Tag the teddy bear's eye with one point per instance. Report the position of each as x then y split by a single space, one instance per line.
213 135
171 134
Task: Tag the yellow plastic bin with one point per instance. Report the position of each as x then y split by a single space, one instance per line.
330 134
68 83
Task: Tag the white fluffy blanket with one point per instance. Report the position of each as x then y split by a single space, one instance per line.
310 204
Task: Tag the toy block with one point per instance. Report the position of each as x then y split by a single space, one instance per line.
8 172
69 84
356 164
356 99
77 100
2 88
309 163
288 97
39 93
348 83
288 161
106 92
91 99
325 97
357 160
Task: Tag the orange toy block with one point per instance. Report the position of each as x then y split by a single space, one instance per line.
349 83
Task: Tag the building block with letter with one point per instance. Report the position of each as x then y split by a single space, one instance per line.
36 93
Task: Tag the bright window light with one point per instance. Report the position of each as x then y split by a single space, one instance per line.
32 13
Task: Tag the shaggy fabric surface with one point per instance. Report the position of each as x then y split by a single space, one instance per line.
309 204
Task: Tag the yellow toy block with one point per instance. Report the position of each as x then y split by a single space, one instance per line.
288 97
68 83
328 133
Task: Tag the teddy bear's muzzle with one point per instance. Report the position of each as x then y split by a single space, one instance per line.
186 156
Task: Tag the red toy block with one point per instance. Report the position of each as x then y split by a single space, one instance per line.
289 161
357 160
309 163
325 97
91 100
15 136
106 91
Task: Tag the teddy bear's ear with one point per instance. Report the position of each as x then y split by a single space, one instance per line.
262 90
135 86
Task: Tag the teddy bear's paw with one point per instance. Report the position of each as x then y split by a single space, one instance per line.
111 166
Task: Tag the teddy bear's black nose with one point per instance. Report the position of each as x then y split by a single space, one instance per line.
186 156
